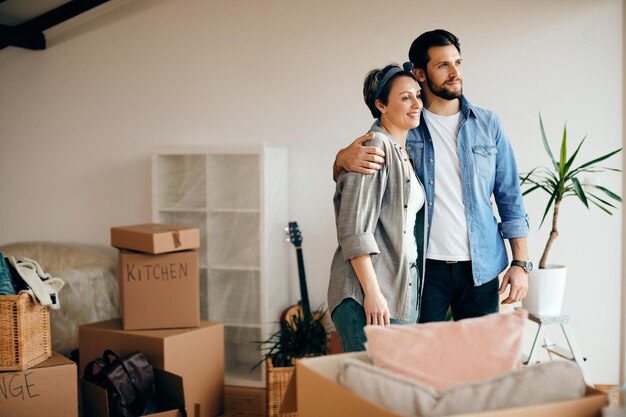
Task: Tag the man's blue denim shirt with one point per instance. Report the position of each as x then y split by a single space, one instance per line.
487 168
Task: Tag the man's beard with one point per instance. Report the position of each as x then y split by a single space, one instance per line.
443 92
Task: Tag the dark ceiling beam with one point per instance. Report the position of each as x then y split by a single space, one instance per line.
14 36
29 34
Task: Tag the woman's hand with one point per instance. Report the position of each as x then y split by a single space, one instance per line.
376 309
374 302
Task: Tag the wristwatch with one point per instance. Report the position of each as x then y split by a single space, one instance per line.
525 265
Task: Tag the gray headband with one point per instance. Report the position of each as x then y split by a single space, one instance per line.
406 67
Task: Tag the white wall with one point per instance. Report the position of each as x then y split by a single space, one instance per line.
623 310
79 120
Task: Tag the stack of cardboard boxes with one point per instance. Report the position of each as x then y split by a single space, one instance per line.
32 377
51 386
159 288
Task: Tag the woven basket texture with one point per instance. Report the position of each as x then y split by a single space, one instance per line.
24 333
277 380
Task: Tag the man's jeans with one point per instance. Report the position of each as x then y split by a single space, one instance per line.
451 284
349 318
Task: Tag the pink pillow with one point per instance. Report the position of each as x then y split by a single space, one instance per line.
445 354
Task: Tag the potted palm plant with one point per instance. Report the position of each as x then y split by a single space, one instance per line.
301 334
561 180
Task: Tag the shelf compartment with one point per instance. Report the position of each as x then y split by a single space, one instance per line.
234 239
233 296
241 173
241 354
182 181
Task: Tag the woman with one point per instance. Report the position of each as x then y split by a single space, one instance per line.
374 277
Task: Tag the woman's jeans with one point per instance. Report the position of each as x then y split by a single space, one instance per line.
349 318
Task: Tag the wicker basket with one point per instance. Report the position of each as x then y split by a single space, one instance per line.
24 332
277 380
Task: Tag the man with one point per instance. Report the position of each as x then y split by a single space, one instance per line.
474 162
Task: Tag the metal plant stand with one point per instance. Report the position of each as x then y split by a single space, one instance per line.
573 354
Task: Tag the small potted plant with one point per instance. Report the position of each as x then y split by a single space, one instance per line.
562 179
300 335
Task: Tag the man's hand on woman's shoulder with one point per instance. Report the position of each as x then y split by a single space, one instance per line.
359 158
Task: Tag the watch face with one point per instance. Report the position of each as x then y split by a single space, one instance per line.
529 266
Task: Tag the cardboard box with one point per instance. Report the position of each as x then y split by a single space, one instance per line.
155 238
169 395
196 354
316 378
49 386
159 291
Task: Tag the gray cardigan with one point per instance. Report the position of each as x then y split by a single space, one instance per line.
370 213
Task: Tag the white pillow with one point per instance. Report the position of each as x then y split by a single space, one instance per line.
541 383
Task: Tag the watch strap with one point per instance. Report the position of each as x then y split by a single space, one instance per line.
521 264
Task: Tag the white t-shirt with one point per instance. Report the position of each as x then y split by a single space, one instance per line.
415 203
449 240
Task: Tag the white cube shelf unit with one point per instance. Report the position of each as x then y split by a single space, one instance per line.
238 199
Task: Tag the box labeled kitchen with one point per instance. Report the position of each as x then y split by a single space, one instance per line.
159 291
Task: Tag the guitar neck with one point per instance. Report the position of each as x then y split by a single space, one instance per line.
304 293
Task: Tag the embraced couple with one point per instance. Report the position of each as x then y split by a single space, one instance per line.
417 238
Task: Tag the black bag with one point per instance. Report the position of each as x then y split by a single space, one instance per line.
129 382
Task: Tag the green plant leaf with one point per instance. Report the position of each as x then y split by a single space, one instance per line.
538 184
578 189
545 177
546 144
595 169
552 181
570 161
603 201
609 169
563 157
305 336
526 176
608 192
530 190
602 158
607 211
545 213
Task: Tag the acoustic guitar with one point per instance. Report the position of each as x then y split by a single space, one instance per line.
303 308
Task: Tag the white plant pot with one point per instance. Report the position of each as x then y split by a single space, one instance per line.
545 291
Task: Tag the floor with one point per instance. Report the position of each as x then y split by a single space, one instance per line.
250 402
244 402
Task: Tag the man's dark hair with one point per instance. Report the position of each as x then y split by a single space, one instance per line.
418 53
